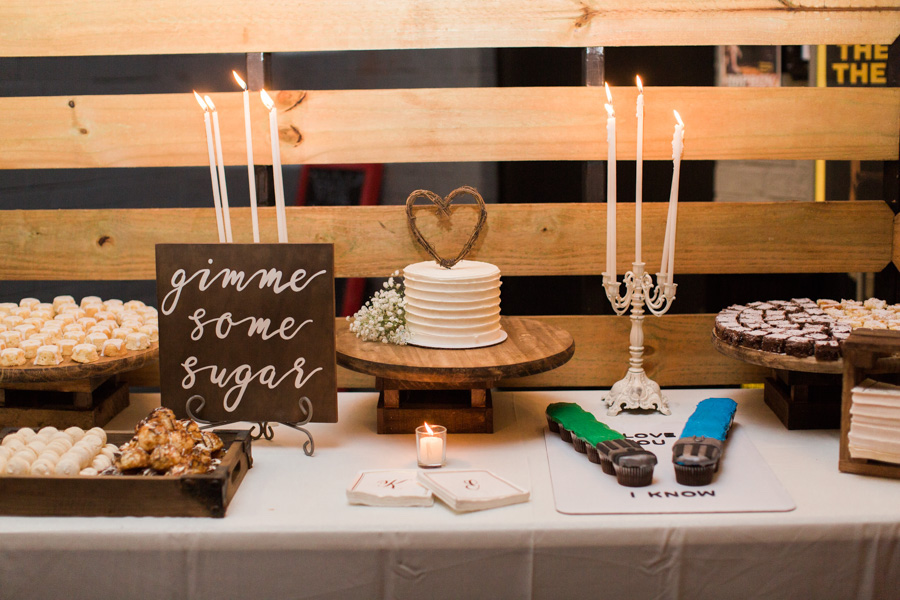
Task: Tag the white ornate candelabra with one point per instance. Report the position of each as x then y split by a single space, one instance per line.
636 390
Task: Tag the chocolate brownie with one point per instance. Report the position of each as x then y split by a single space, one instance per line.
774 342
827 350
798 346
753 339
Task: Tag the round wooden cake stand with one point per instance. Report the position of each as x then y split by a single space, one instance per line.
71 393
777 361
451 387
804 393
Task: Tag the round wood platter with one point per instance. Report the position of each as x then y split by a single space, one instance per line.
531 347
69 370
777 361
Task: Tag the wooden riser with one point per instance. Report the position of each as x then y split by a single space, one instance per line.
29 408
805 406
451 408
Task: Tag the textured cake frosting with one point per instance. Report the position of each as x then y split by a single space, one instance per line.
453 308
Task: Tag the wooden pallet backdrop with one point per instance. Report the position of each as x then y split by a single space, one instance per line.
446 125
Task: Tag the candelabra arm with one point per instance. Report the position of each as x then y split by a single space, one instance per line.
619 303
661 296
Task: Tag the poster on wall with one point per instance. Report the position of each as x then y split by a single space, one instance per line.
249 328
749 66
849 65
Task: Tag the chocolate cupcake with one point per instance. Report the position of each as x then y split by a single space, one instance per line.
631 463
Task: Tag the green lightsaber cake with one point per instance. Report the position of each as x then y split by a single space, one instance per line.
616 455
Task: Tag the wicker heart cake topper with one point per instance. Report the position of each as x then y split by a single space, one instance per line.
443 205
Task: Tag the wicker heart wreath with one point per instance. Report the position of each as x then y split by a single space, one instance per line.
443 205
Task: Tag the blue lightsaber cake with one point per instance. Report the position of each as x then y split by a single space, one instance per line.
697 452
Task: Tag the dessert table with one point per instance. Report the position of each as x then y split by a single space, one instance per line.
290 533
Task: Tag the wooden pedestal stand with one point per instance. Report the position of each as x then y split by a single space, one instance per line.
451 387
83 395
867 352
804 393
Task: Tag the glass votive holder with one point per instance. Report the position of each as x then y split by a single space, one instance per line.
431 445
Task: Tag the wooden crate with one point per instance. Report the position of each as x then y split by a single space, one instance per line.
866 352
206 495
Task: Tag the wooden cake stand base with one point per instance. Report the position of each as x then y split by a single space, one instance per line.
451 387
83 395
804 393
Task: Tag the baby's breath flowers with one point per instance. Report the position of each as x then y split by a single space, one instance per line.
383 317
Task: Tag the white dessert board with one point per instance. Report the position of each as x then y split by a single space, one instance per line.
474 489
744 482
395 487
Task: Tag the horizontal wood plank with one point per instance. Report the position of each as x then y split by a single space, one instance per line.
522 239
446 125
74 27
678 352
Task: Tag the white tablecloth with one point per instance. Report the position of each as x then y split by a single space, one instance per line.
290 533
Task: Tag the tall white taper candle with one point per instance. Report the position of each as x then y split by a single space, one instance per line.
639 183
223 189
251 177
276 167
672 219
212 168
610 185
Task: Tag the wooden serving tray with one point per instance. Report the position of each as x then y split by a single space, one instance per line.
206 495
777 361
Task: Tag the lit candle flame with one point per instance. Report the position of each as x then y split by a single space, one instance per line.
610 111
209 103
428 429
678 118
639 84
201 102
266 99
240 81
608 93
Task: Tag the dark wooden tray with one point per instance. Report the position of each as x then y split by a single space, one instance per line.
206 495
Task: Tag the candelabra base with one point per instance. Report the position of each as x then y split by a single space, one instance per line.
636 390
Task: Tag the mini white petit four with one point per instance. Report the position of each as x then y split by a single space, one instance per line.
113 348
62 300
85 353
121 333
11 338
137 341
48 356
29 302
96 338
66 346
30 348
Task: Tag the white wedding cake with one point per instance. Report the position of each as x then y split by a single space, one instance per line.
453 308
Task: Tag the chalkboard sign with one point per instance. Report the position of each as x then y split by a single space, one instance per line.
250 328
